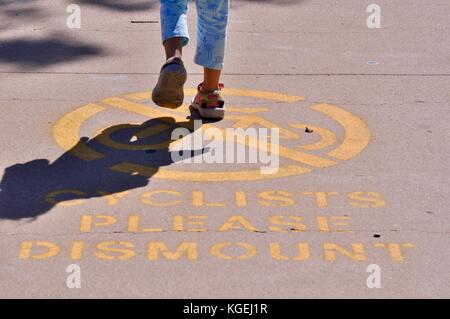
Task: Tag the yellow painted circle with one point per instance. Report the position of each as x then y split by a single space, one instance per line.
357 136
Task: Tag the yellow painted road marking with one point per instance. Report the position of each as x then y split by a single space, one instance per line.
231 92
66 131
357 136
305 158
143 109
327 138
198 176
105 137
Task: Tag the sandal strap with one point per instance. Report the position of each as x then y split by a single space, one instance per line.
199 87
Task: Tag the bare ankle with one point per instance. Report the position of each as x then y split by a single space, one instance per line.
209 88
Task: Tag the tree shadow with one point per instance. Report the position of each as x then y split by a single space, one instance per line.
32 52
17 13
31 189
122 5
24 13
139 5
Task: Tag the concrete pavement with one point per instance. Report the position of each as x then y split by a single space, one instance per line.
368 186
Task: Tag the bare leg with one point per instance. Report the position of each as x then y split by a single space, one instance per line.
211 79
174 47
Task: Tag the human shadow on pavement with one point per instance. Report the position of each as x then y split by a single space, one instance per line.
31 189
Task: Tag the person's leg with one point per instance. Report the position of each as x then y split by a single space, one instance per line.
174 29
174 47
211 40
168 92
211 79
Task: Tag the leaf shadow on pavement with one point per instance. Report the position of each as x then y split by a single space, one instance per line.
31 189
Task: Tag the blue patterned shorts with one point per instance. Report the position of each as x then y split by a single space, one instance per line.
211 28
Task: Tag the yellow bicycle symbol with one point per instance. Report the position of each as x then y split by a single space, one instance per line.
66 133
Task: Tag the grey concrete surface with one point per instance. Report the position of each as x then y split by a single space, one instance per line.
315 49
